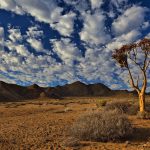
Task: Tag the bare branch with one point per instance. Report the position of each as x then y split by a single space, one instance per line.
145 60
137 81
132 81
136 63
147 65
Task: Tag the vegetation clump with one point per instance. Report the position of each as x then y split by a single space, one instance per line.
143 115
128 108
43 95
101 103
120 106
71 142
102 126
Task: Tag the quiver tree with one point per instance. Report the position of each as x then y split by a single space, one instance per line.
132 57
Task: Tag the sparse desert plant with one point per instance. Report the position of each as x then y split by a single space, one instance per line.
133 109
148 107
71 142
144 115
121 106
43 95
102 126
101 103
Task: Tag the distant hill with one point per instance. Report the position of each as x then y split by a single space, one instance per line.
78 89
16 92
12 92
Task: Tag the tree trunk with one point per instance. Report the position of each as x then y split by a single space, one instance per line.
142 102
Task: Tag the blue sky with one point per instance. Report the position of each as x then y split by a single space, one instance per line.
55 42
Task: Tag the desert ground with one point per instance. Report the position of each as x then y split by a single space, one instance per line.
42 124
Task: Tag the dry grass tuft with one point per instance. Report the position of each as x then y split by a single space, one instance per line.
71 142
120 106
133 109
143 115
127 108
101 103
102 126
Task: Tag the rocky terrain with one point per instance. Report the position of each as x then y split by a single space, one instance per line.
42 125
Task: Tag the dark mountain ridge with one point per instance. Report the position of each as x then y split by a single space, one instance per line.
79 89
11 92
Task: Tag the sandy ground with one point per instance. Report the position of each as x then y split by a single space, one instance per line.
42 125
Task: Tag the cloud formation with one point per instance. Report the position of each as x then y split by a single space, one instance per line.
68 40
131 19
94 30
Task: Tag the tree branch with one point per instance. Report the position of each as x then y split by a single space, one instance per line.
135 63
145 60
132 81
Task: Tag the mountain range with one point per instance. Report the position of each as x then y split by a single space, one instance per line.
11 92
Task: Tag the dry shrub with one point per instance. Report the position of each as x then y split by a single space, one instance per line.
71 142
101 103
126 107
102 126
43 95
148 107
120 106
133 109
143 115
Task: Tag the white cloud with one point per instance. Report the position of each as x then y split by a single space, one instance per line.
115 86
94 29
65 24
79 5
117 6
148 35
1 38
146 25
41 10
22 50
127 38
96 3
1 32
131 36
15 35
95 66
36 44
66 50
11 6
127 22
118 3
34 32
44 11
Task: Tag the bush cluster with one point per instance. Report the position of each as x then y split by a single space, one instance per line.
102 126
143 115
120 106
